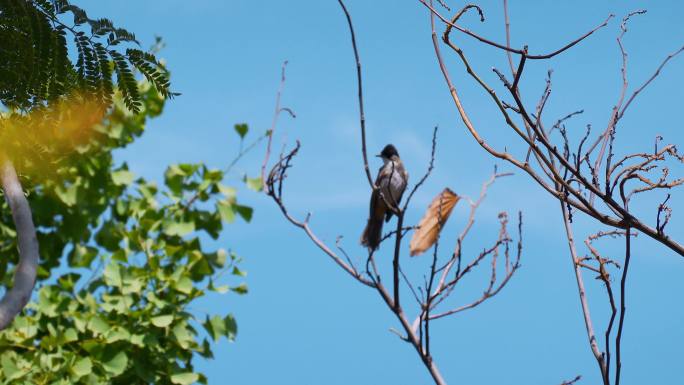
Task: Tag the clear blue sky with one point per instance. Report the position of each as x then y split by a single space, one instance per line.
304 321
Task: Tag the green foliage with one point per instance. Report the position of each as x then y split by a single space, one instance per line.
122 262
35 68
241 129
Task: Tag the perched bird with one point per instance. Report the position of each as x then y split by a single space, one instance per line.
391 182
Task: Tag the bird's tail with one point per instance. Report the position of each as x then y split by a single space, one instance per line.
372 233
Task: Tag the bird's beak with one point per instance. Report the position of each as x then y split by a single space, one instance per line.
379 156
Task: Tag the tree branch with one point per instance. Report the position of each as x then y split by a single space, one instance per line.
362 116
25 272
583 296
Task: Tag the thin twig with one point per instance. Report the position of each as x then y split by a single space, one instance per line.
583 299
623 308
508 49
573 381
276 114
362 116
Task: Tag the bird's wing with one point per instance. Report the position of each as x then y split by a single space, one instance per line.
404 175
376 199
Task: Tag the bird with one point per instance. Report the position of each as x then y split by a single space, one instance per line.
391 182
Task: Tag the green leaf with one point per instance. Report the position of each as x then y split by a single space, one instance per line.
82 367
117 364
184 285
221 255
117 334
220 289
110 235
46 302
98 325
245 212
238 272
240 289
205 350
137 340
122 177
227 191
132 285
231 326
173 178
184 378
217 327
162 321
68 281
80 323
173 228
69 335
112 275
183 335
68 194
120 255
9 368
254 183
241 129
226 210
82 256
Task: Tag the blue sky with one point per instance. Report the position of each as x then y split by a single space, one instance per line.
306 322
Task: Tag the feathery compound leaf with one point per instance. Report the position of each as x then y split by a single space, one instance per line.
80 15
40 28
433 221
126 82
148 65
101 27
106 88
35 67
59 64
120 35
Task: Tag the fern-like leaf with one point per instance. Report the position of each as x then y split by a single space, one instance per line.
148 65
126 82
35 67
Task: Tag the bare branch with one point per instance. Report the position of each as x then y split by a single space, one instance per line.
623 308
573 381
649 81
493 288
418 337
555 166
362 116
583 298
605 277
274 189
507 25
568 171
456 255
452 24
660 226
276 114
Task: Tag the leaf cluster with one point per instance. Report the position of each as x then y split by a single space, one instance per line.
35 65
122 263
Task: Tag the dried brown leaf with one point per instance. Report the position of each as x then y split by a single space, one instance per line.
434 219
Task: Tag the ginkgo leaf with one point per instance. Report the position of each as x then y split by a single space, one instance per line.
433 221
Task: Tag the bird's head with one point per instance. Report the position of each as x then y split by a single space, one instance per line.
388 152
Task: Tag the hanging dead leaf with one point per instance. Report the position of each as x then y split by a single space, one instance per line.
434 219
